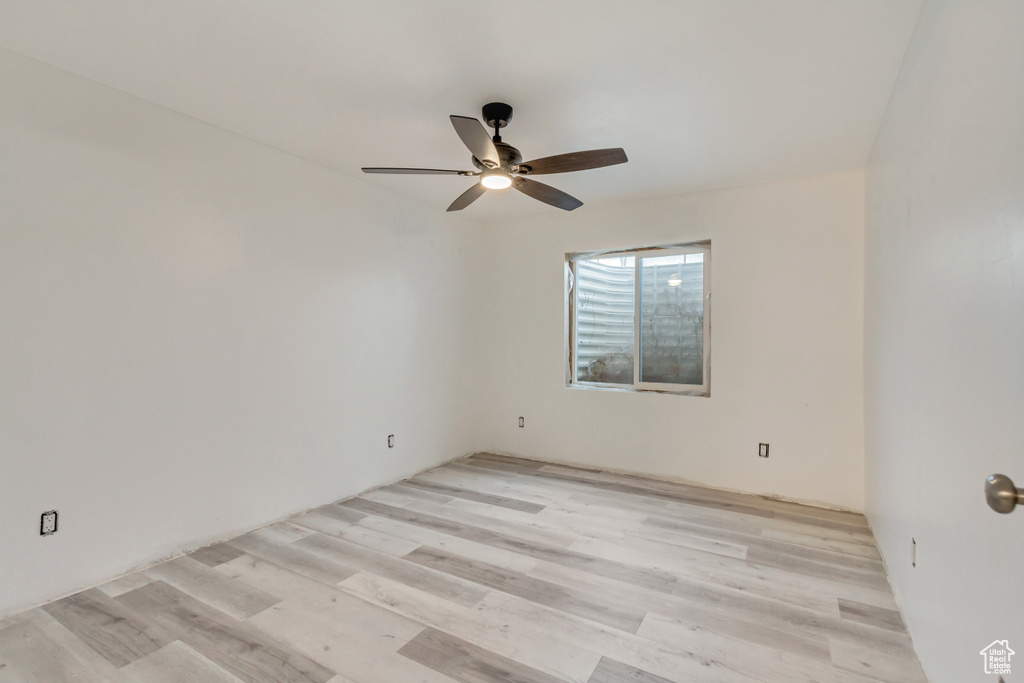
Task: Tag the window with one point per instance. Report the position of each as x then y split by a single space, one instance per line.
640 319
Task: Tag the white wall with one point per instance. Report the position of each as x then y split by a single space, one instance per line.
199 334
787 290
944 332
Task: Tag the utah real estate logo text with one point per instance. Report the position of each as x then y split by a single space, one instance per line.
997 657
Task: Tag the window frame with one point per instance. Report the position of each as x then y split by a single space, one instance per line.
638 254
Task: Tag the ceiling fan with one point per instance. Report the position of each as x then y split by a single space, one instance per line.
500 165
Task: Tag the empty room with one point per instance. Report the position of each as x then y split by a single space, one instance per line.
535 342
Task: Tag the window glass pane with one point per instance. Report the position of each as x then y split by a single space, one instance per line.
672 319
604 320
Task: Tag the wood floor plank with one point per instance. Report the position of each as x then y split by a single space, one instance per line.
697 571
688 519
521 463
671 663
652 578
610 671
297 559
454 544
696 495
872 616
401 496
283 532
557 521
501 632
318 606
177 663
875 664
698 614
342 514
457 474
214 589
485 498
466 662
813 591
604 499
123 584
410 573
215 555
360 659
813 541
39 649
316 520
700 493
357 638
602 483
807 527
498 519
768 664
233 645
106 627
700 526
605 610
839 559
354 533
774 558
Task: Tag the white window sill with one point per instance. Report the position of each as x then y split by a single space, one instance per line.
700 392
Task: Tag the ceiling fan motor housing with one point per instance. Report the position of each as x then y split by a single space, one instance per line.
508 154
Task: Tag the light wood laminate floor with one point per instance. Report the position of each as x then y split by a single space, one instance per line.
495 569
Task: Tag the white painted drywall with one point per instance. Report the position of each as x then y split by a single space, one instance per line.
702 93
786 368
944 333
199 334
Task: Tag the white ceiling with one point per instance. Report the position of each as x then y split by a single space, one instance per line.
700 93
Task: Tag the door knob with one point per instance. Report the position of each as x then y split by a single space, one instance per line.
1001 495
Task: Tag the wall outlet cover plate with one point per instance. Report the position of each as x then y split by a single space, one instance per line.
48 523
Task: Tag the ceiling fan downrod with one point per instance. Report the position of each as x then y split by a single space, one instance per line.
497 115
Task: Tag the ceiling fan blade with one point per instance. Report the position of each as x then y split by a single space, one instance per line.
475 137
547 194
416 171
575 161
467 197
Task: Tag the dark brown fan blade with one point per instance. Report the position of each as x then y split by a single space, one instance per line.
416 171
547 194
475 137
467 197
575 161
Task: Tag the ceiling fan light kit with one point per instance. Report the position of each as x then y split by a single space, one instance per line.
500 165
495 180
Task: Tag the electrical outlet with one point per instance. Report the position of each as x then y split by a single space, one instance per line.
522 421
913 552
48 523
391 440
762 450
